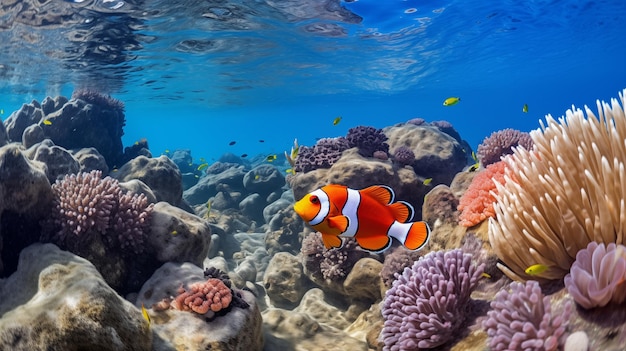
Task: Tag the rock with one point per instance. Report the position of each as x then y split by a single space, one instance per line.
90 159
440 206
183 160
284 281
368 326
252 207
63 303
263 179
59 161
74 124
177 235
577 341
229 178
437 154
314 304
4 138
291 330
160 174
139 187
364 282
238 329
270 210
32 135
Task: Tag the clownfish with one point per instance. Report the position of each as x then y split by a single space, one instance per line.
370 216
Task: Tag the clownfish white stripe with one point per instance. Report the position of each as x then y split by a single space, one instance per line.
401 231
324 207
350 210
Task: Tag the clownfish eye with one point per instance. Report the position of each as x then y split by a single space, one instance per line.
314 199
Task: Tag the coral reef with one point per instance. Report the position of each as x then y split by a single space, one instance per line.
333 264
212 295
502 143
566 194
98 98
597 276
87 205
404 156
323 154
396 260
367 139
476 204
426 304
522 319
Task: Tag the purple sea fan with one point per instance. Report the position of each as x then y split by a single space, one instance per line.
83 204
426 303
522 319
501 143
597 276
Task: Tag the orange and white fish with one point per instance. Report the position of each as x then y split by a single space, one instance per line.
370 216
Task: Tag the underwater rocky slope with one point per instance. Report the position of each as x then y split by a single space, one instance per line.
106 248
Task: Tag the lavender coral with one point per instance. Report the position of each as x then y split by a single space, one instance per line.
426 305
597 276
404 155
333 264
322 155
367 140
501 143
522 319
86 205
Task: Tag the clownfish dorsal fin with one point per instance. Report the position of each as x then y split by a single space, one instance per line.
339 222
402 211
381 193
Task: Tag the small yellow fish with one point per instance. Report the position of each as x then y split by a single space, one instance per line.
486 275
47 122
336 120
525 108
197 176
427 181
146 316
290 171
271 158
203 166
474 167
174 232
167 151
208 209
536 269
451 101
474 157
256 177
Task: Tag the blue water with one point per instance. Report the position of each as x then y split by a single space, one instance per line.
198 75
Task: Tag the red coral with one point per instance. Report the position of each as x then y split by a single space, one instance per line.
477 202
212 295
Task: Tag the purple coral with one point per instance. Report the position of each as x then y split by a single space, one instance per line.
597 276
396 260
501 143
426 305
367 140
522 319
86 205
404 155
322 155
333 264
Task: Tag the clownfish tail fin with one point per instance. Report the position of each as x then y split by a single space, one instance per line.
413 235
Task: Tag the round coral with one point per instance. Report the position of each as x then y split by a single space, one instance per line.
404 155
204 297
322 155
367 139
333 264
476 204
501 143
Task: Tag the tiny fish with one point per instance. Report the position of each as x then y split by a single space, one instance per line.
145 314
47 122
174 232
136 142
336 120
1 111
451 101
271 158
474 157
197 176
167 151
536 269
232 143
203 166
486 275
474 167
244 155
208 209
427 181
525 108
290 171
261 141
256 177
